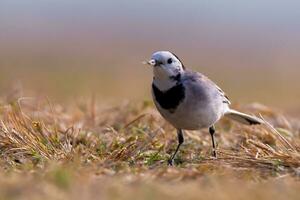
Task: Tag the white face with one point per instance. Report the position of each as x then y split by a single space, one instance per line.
165 65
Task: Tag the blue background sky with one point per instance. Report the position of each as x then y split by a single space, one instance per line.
253 33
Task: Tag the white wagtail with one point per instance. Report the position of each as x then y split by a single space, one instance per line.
189 100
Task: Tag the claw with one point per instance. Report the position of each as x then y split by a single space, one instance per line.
214 154
170 162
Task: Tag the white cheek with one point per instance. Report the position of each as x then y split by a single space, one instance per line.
173 70
161 73
164 72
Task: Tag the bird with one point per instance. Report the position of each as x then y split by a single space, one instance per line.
189 100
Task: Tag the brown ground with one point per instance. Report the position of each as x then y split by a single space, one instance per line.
88 150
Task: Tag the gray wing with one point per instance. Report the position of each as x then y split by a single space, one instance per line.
203 87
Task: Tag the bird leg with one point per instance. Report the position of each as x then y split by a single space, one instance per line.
212 133
180 141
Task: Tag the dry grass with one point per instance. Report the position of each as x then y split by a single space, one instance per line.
90 150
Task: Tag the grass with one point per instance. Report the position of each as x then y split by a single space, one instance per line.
90 149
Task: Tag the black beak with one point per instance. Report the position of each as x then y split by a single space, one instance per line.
153 63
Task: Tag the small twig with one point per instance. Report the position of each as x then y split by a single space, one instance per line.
282 138
136 119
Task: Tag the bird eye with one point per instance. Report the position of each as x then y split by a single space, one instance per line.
170 61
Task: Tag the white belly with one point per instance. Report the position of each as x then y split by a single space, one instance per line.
193 116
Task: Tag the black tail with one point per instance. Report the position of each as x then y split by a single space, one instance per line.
243 118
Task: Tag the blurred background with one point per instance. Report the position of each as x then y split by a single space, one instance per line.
68 49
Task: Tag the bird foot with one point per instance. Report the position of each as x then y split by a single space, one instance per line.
170 162
214 154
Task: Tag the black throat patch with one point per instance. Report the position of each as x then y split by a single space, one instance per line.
171 98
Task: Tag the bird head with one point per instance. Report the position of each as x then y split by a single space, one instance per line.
165 65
